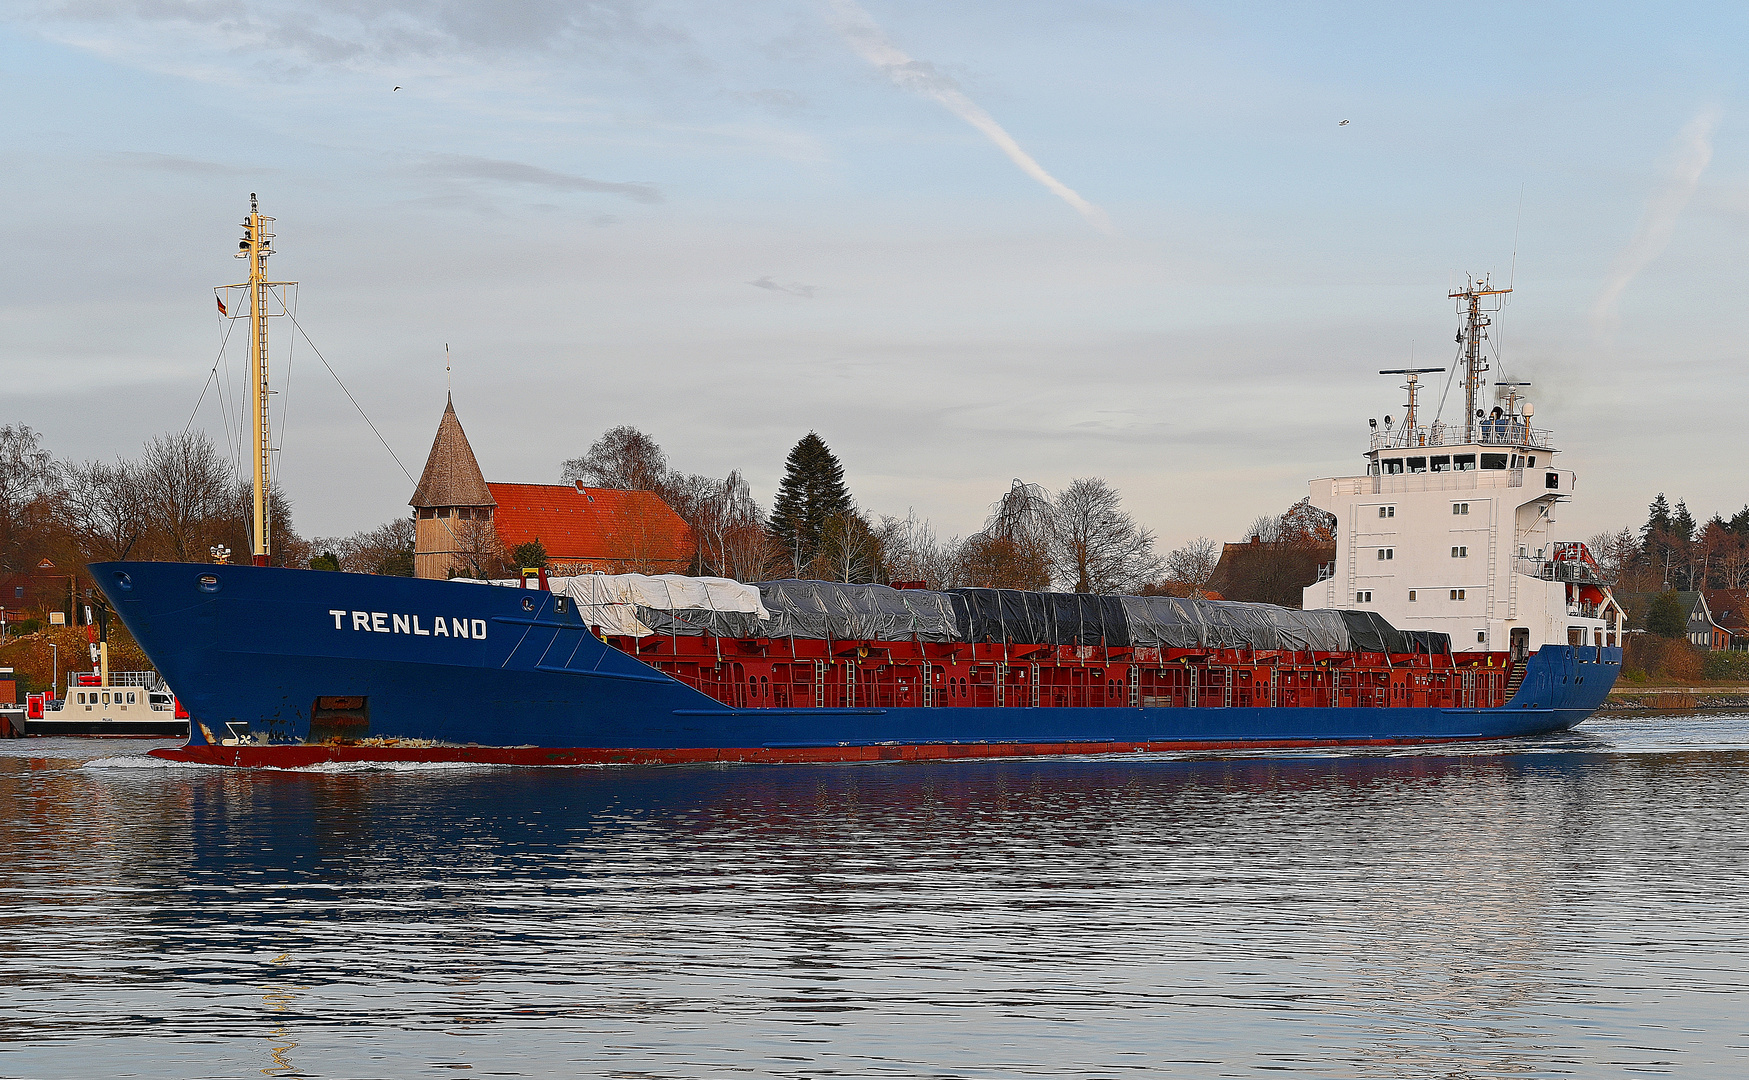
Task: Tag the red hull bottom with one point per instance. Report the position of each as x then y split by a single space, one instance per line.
304 756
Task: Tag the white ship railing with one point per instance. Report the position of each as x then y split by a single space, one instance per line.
1487 433
146 680
1564 570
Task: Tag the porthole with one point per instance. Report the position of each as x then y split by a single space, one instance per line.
528 603
122 581
207 582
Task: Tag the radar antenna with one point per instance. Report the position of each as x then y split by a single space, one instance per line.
1413 386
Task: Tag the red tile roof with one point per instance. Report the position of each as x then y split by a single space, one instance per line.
612 530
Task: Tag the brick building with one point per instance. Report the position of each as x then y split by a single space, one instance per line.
461 521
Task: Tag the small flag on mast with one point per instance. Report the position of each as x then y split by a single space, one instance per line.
221 303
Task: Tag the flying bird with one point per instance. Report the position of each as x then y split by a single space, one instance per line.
397 88
1343 124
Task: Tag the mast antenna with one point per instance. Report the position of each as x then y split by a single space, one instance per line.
256 246
1410 407
1471 304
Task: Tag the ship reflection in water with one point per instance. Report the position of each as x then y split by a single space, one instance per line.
1573 908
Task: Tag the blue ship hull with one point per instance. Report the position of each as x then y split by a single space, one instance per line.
456 671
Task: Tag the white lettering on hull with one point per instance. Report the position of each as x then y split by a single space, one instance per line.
383 622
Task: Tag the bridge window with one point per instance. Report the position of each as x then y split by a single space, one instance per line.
1494 461
1463 462
1387 511
1393 466
1552 480
1442 463
1417 464
1457 594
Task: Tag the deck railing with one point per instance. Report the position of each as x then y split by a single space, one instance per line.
1578 573
1486 433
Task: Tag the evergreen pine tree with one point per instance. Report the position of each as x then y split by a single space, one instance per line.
1682 523
811 493
1657 518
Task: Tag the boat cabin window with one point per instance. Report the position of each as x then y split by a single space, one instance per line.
1460 552
1442 463
1517 462
1417 464
1411 596
1493 461
1371 470
1533 461
1460 508
1552 480
1363 597
1387 511
1458 594
1387 553
130 697
1393 466
1463 462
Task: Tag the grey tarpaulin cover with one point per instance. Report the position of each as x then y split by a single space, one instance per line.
1040 618
826 609
1369 632
1175 623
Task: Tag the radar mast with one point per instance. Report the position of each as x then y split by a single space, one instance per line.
1471 306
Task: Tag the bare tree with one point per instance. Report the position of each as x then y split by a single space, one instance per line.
27 478
1097 547
386 549
911 552
1189 568
849 551
623 458
187 490
996 562
104 508
1732 562
727 525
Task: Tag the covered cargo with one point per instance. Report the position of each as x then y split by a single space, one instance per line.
1019 617
831 610
619 603
1180 623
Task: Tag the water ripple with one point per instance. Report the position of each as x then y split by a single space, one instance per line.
1566 907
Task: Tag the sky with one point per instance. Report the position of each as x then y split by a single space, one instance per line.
965 243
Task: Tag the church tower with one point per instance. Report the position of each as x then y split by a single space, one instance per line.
452 506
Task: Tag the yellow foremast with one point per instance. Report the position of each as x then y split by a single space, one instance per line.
256 246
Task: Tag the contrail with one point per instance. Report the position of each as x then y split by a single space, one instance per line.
867 38
1693 150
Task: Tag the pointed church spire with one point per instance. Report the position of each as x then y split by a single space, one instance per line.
452 477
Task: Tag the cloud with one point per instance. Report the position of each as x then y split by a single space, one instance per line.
1693 151
323 32
794 288
174 164
462 167
920 77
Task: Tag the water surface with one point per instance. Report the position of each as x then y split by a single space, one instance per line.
1571 907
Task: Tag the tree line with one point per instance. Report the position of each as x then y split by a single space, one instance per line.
1674 551
1077 539
179 500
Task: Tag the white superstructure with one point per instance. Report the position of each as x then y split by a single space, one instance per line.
1450 527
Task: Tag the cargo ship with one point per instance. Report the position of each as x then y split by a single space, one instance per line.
1449 613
